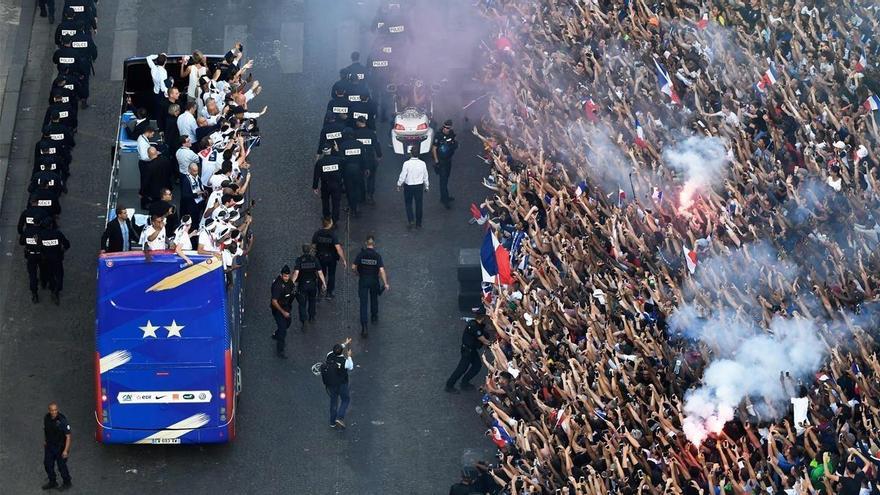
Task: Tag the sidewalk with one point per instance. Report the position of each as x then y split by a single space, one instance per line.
16 20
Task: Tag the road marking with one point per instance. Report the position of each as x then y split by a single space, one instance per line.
180 41
291 54
346 42
127 14
233 33
124 46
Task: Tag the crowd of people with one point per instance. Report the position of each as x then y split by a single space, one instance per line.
195 129
38 226
634 276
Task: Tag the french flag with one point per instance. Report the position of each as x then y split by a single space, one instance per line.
872 103
640 136
862 64
499 435
690 256
621 197
480 215
768 79
495 261
657 195
580 189
665 83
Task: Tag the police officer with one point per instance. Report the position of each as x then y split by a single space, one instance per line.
48 179
381 66
352 155
356 72
51 9
47 199
328 251
369 267
59 133
283 292
372 153
30 239
32 216
65 87
53 244
472 340
56 447
84 10
74 64
365 107
48 156
342 85
442 149
331 135
339 106
67 114
306 274
328 171
69 26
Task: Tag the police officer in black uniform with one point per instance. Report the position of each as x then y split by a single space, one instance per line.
48 179
372 153
67 114
47 199
356 71
306 274
32 216
84 10
442 149
370 268
30 239
69 26
328 172
352 154
48 156
381 66
59 133
342 85
331 135
53 244
339 107
56 447
283 292
67 87
475 336
328 251
365 107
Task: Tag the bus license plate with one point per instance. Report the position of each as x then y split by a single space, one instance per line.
164 440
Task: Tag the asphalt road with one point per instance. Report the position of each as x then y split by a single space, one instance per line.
405 434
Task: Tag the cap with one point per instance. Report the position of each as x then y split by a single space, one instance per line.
862 151
285 270
448 123
839 145
362 119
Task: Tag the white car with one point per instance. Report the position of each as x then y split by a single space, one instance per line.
412 127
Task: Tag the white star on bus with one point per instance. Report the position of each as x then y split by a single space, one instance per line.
174 329
149 330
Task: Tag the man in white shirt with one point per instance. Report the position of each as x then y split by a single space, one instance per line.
153 235
143 143
414 179
186 156
160 82
186 121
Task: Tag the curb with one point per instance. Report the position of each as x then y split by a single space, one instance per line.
11 95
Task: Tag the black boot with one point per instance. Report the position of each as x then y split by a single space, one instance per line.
363 330
303 327
43 14
56 297
50 485
35 298
51 18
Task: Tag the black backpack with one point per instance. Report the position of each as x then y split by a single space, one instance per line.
331 371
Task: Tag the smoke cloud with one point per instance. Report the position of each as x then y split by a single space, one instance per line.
752 370
702 162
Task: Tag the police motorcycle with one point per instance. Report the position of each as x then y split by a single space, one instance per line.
413 113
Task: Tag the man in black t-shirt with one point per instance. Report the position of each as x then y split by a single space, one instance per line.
369 267
329 251
283 292
56 447
306 274
473 339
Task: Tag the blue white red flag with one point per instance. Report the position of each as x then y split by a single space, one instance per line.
665 83
499 435
495 261
862 64
872 103
768 79
640 136
580 189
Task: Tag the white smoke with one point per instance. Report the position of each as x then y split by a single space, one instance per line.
752 370
702 161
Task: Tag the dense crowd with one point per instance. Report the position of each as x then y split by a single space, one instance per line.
689 196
